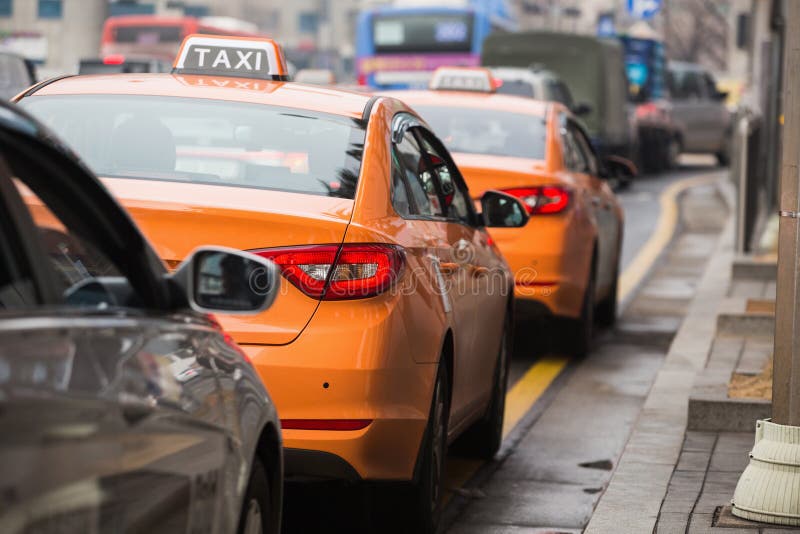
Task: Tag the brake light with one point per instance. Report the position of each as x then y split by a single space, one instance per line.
114 59
325 424
648 109
330 272
542 200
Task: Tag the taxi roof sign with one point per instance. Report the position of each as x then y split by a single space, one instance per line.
474 79
239 57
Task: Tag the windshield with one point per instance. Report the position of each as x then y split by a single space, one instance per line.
486 131
422 33
208 141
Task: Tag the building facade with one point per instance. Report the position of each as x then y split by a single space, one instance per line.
54 33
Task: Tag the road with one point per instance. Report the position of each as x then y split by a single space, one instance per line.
567 422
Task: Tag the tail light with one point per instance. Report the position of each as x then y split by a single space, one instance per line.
542 200
331 272
114 59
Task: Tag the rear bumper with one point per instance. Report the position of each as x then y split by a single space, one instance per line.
345 367
549 258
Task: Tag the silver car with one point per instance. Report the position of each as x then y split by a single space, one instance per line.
699 111
123 406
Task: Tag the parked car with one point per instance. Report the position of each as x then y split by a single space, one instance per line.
537 83
16 74
371 353
539 153
700 111
594 70
115 381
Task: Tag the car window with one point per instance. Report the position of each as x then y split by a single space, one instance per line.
74 259
455 198
212 142
418 177
686 85
474 130
401 191
711 85
574 158
584 147
17 287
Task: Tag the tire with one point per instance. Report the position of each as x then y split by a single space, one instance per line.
583 329
724 155
606 312
416 507
255 515
673 152
484 438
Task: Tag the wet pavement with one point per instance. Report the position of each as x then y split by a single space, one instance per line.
555 466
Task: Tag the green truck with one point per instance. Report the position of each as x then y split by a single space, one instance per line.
594 70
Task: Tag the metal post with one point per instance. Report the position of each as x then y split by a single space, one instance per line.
786 381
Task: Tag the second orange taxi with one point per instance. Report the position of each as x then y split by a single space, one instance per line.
566 259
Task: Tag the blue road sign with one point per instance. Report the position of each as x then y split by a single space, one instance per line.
643 9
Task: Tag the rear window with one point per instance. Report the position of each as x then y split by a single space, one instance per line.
148 34
516 88
485 131
208 141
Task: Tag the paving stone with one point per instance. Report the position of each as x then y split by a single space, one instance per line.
699 441
741 442
729 461
471 528
694 461
672 523
709 502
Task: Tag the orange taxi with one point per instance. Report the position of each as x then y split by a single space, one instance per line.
389 338
566 259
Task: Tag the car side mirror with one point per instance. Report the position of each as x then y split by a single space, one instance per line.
228 281
501 210
581 109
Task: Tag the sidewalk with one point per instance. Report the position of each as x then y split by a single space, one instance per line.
691 442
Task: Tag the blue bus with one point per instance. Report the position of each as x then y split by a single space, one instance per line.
399 47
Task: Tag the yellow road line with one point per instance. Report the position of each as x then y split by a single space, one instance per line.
632 276
529 389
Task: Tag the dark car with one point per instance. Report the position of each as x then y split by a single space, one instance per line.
16 74
123 406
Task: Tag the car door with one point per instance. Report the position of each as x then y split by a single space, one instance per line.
480 293
718 124
690 108
108 399
604 206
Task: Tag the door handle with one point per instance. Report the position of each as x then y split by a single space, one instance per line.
448 267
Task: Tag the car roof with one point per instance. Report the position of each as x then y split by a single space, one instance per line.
283 94
467 99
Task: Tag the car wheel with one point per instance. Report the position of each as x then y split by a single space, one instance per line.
255 516
606 313
583 329
484 438
673 152
417 506
724 155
